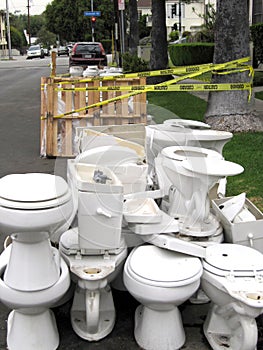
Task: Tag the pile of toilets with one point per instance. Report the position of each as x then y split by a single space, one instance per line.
149 219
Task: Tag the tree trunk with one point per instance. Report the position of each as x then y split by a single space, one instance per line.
231 110
159 55
134 28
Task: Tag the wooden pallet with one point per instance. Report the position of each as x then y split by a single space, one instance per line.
57 134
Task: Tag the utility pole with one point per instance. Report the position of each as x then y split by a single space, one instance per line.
8 31
28 23
92 24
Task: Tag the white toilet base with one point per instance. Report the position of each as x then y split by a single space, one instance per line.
158 330
32 331
95 325
234 331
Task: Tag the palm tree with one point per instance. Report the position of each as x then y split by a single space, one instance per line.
230 110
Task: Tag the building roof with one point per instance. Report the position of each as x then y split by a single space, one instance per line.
144 4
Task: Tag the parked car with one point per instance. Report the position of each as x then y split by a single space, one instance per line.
46 52
88 54
35 51
63 50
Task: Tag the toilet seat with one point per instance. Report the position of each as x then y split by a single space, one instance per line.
182 153
233 259
158 267
33 191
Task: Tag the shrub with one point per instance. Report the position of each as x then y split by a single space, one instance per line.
191 53
132 63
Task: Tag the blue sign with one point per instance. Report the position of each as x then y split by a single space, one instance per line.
92 13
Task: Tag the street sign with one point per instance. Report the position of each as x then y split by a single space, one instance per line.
92 13
121 5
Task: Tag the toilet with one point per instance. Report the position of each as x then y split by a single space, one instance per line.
235 286
160 280
31 322
33 278
182 133
93 312
95 250
192 171
35 202
127 163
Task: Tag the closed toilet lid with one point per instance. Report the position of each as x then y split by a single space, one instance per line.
33 191
224 259
186 152
160 266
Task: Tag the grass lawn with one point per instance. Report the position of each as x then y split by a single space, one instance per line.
244 148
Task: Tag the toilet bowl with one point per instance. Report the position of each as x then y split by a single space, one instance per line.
31 325
126 163
159 136
235 286
93 312
160 280
35 202
193 171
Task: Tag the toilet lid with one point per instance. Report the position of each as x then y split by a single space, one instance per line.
33 191
224 259
186 152
160 266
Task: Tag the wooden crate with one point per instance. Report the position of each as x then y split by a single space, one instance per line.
58 133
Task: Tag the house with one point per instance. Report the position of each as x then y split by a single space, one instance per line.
179 14
3 42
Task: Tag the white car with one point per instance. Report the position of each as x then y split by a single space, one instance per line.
35 51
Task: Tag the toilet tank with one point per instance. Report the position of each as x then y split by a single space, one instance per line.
100 208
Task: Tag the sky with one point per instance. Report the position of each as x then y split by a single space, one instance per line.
36 6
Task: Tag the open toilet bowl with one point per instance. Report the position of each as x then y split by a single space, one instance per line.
31 322
235 287
159 136
35 202
193 171
160 280
93 311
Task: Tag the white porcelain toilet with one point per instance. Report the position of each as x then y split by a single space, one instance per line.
179 133
160 280
35 202
128 164
193 171
33 207
95 250
93 312
233 280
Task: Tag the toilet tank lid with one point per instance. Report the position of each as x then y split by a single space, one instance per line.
160 265
233 259
32 187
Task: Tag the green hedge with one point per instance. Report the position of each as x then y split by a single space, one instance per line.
191 53
256 31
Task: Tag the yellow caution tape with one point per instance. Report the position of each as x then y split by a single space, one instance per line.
170 71
192 71
156 88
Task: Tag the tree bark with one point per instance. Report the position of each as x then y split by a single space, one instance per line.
159 55
134 27
231 110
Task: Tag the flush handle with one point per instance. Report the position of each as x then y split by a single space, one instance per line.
100 211
250 237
